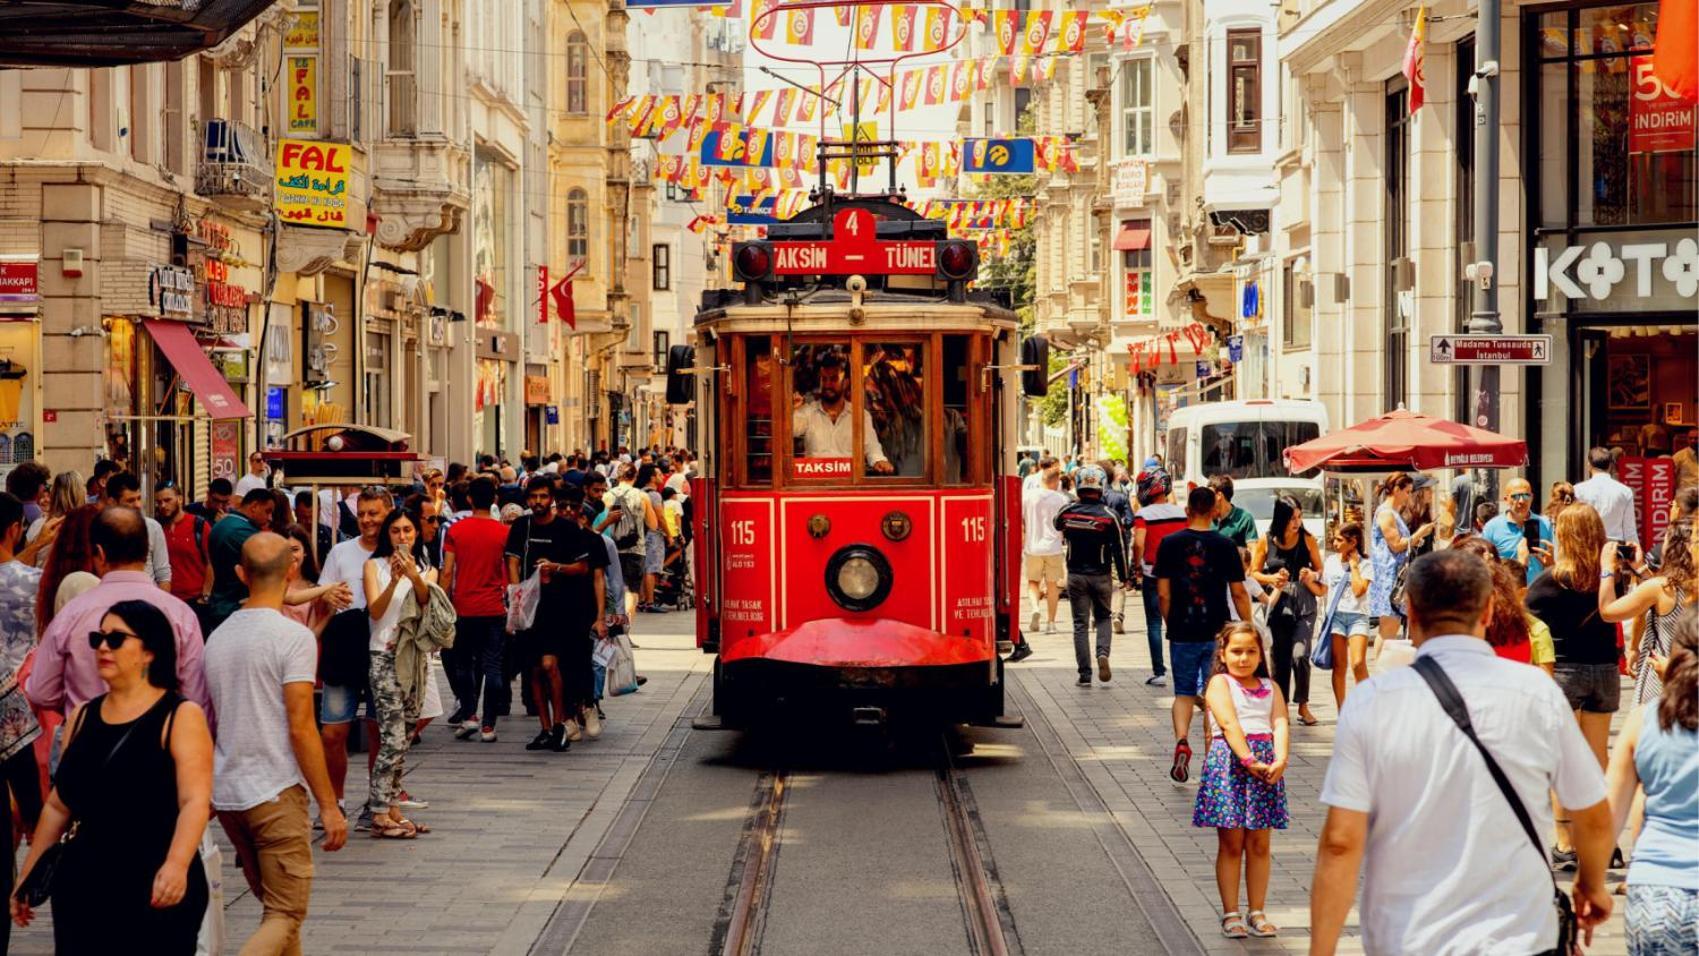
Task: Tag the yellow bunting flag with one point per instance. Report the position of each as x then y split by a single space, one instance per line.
902 27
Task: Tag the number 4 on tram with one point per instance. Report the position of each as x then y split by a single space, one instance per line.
858 519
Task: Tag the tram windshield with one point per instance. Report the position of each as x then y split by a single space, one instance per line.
823 415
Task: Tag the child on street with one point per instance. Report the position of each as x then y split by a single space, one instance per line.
1242 794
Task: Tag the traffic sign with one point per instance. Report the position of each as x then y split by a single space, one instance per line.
1490 349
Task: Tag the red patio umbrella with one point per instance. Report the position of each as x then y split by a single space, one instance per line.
1404 439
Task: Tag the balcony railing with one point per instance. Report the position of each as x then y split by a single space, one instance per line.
234 164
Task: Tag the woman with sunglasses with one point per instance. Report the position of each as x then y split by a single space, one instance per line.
135 782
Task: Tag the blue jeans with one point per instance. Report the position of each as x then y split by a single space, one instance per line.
1153 625
478 642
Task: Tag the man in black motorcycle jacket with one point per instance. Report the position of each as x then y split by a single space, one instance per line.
1093 536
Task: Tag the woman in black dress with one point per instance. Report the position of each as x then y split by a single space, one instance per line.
1288 560
136 782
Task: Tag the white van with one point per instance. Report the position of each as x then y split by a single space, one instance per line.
1245 439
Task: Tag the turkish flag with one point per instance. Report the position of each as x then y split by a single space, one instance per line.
1675 52
562 294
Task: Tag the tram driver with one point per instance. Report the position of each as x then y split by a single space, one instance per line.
823 426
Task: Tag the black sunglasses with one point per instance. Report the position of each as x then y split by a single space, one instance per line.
112 639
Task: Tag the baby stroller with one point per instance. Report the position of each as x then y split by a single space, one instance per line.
673 586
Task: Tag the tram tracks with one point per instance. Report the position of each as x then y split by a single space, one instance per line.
986 918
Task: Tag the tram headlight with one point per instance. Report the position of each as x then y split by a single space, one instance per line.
858 578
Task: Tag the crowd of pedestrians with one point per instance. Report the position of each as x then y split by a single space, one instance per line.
1473 765
211 658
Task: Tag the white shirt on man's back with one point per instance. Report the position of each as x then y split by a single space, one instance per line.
1614 501
1448 870
248 660
1039 509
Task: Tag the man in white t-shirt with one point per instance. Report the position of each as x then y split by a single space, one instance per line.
1042 545
347 634
259 669
255 478
1449 869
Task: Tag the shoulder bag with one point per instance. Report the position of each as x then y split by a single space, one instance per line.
37 886
1452 702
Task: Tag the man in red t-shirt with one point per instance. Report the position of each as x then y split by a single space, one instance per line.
1157 518
475 576
185 543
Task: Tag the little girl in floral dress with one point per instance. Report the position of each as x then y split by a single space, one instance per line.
1242 794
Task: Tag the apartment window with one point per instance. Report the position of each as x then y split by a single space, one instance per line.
990 119
661 258
634 330
176 124
577 74
663 342
1023 99
1244 91
401 79
1134 244
578 224
673 193
1296 309
1397 305
1138 107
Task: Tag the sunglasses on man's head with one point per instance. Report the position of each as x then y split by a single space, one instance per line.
112 639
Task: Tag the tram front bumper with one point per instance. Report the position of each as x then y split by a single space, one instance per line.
846 644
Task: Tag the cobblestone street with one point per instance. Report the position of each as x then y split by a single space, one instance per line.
525 845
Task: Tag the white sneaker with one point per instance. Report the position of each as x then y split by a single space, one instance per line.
1049 627
592 724
1032 626
488 736
573 732
466 729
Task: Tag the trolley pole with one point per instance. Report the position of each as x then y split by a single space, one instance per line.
1484 320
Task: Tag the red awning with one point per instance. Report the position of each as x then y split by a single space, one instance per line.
211 390
1134 236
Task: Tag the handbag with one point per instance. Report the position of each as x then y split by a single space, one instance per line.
622 667
37 886
1452 703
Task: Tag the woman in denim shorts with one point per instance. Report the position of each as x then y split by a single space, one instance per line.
1349 568
1567 597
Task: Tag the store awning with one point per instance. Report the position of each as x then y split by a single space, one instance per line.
178 343
87 33
1134 236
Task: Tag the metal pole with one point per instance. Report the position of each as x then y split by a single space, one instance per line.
1484 320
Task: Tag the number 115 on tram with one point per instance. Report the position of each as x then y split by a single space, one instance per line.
858 532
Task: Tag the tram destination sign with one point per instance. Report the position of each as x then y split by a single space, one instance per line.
855 248
1490 349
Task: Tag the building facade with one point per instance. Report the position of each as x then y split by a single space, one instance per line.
344 212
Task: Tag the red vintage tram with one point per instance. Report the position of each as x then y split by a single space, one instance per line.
858 521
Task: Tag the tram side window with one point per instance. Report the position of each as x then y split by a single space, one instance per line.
894 376
758 412
957 397
822 415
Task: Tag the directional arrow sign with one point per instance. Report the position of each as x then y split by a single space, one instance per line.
1490 349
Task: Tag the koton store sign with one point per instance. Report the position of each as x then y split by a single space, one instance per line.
1602 268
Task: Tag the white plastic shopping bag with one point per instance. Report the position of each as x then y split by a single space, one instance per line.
210 940
522 600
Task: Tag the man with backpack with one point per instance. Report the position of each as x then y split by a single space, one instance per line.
628 519
186 543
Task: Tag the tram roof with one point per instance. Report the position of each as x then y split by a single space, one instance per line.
828 311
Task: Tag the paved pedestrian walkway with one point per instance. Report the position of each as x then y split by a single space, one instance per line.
511 829
1122 736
